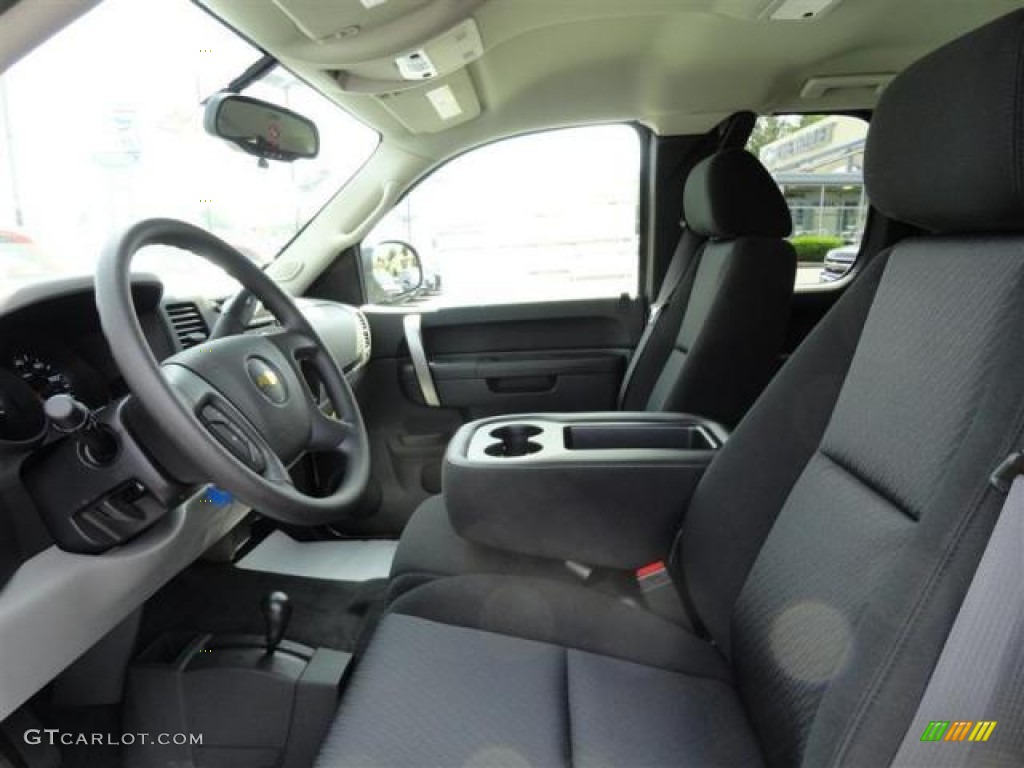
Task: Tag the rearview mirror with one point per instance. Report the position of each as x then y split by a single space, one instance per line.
259 128
394 271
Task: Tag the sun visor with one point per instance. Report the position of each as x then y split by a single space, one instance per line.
434 106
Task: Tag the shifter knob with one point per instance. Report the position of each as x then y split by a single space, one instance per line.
277 612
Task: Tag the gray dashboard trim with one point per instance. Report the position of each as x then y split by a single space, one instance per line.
58 604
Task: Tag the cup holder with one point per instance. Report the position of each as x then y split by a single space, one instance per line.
515 441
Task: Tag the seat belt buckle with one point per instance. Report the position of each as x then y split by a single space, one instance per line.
653 576
1004 475
658 592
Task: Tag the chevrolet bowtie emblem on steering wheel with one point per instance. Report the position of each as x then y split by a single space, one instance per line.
267 380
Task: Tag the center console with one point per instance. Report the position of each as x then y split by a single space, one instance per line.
605 489
232 701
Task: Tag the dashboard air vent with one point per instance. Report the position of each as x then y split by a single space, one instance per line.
188 322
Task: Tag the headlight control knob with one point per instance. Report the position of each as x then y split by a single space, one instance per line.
97 444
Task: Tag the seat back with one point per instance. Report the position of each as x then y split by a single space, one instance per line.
829 546
717 340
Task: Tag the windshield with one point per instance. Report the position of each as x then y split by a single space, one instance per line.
102 126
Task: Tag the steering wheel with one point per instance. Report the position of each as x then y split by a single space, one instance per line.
238 407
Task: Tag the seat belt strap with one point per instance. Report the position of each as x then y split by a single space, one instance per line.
678 269
972 712
673 276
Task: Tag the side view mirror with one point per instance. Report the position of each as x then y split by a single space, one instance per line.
259 128
394 271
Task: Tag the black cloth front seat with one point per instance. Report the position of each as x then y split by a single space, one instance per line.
710 350
829 545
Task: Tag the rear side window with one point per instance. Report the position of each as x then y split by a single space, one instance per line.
818 163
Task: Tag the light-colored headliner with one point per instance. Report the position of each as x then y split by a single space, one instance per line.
677 66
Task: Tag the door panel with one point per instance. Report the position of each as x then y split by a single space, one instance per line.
587 324
567 356
526 357
484 384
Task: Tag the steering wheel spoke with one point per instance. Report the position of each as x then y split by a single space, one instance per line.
244 441
227 424
294 343
329 433
276 471
235 438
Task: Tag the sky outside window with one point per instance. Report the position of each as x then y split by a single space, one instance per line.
102 127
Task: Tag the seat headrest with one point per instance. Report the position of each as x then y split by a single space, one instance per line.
730 194
946 147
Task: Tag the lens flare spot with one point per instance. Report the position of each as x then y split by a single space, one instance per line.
810 641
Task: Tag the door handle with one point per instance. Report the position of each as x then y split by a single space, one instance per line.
413 325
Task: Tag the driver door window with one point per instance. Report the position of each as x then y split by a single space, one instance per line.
537 218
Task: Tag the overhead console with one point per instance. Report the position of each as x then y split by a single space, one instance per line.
424 84
605 489
450 51
410 55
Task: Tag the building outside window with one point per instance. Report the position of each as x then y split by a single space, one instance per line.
820 170
818 163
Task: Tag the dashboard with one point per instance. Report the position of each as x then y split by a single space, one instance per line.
49 366
51 343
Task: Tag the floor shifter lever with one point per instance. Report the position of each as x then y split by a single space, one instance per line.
277 612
